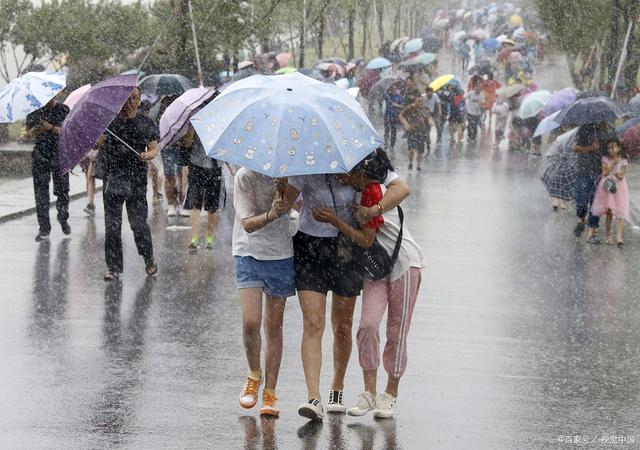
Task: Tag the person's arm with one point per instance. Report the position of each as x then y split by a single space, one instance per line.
621 172
585 148
152 151
606 169
363 238
254 223
397 191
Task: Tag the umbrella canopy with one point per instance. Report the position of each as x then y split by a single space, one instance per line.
560 99
28 93
634 106
631 141
422 59
283 59
397 44
547 125
164 84
441 81
628 124
378 63
90 118
491 44
413 46
588 110
457 36
330 67
509 91
379 88
140 73
286 125
286 70
354 91
76 95
515 20
533 103
480 34
175 118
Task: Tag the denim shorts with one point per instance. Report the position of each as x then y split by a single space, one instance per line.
275 277
171 158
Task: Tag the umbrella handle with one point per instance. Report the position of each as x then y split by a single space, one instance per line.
126 145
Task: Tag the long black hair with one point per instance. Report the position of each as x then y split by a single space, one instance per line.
375 166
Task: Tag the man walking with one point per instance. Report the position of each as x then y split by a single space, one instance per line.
43 126
125 162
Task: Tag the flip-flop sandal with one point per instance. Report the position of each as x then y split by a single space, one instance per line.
620 244
608 241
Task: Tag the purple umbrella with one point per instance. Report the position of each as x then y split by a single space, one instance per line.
560 99
90 118
175 118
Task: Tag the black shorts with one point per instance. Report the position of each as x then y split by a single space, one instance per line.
204 188
319 270
416 141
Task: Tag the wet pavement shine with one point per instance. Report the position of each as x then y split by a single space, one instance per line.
523 335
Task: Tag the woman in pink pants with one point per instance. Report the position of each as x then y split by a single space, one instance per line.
396 294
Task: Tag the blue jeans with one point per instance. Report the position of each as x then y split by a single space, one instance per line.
585 193
275 277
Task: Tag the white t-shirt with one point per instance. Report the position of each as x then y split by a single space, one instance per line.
474 103
316 194
253 195
410 254
431 103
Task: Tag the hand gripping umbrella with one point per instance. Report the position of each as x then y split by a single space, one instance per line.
90 118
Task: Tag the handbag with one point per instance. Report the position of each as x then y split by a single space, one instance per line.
610 186
375 260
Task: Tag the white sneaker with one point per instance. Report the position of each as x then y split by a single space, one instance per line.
183 212
312 410
172 211
335 404
366 402
385 405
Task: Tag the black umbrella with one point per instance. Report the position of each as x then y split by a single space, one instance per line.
165 84
588 110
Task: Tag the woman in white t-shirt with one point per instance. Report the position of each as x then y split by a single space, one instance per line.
395 294
319 269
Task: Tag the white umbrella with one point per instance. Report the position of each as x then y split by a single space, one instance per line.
28 93
547 125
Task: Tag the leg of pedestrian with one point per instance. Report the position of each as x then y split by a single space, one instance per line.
41 176
313 305
61 191
113 235
342 323
137 211
274 314
251 305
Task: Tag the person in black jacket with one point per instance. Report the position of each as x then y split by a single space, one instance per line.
130 142
43 126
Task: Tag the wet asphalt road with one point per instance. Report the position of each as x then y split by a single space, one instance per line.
521 333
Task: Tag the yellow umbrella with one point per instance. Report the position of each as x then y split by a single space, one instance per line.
515 20
441 81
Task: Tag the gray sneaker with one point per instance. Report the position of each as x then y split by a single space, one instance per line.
312 410
365 403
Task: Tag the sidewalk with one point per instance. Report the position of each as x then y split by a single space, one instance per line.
16 196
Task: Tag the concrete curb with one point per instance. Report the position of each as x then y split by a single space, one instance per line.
26 212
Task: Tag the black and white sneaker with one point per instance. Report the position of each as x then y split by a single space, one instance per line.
335 404
312 410
42 236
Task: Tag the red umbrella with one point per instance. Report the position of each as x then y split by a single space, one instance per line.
631 141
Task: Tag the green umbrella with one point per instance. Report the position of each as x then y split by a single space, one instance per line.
286 70
533 103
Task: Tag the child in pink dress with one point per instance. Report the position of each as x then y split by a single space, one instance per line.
615 204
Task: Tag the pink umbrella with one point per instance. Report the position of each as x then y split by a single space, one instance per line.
631 141
175 118
244 64
76 95
283 59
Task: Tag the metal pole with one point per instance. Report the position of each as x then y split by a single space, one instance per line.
126 145
623 55
195 45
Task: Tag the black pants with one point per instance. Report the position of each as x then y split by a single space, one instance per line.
43 170
473 122
390 132
137 210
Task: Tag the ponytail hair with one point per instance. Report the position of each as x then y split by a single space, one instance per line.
376 166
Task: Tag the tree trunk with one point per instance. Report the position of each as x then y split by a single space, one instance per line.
380 14
613 49
321 26
351 19
301 48
365 27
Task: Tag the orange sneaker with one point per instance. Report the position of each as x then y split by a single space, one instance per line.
249 394
269 405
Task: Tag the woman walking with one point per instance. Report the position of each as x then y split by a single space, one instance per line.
395 294
322 264
559 175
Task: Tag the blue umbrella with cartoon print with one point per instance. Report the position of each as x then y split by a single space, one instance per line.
286 125
28 93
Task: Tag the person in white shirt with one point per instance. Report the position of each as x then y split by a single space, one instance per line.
320 267
474 100
263 253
